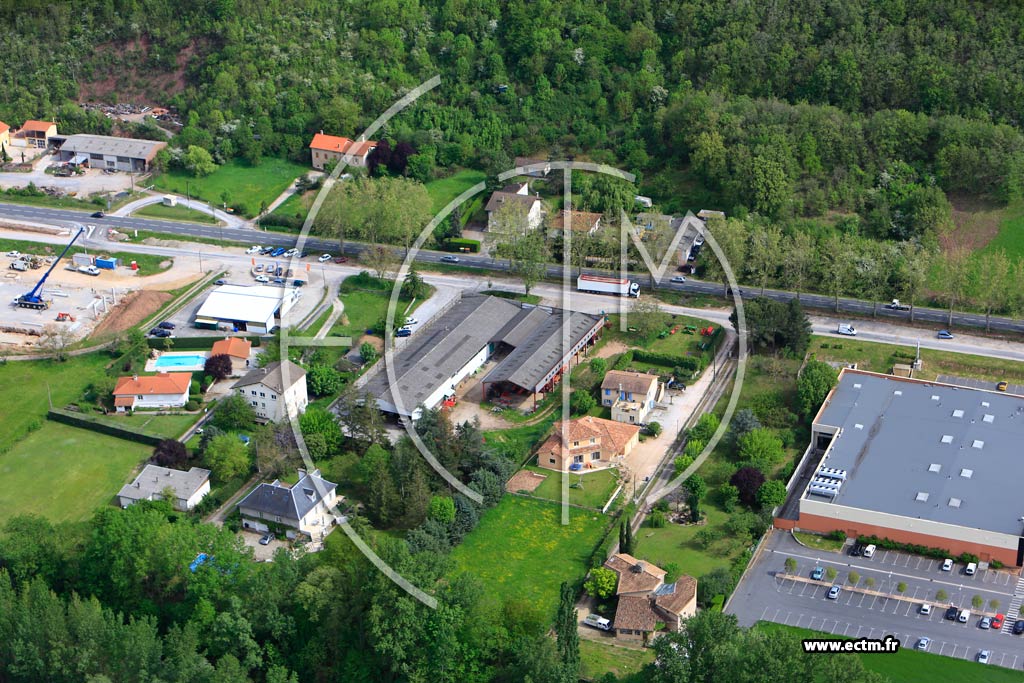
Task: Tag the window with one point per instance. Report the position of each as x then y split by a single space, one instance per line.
593 440
551 460
277 519
607 392
596 455
575 443
140 398
577 458
262 395
253 392
273 396
123 160
264 405
253 404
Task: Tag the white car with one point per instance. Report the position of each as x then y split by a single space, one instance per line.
597 622
971 568
922 643
678 278
255 249
262 278
926 608
983 656
89 270
947 565
290 253
325 258
848 330
14 254
869 552
409 322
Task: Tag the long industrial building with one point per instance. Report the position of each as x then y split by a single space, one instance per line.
917 462
241 308
107 152
527 343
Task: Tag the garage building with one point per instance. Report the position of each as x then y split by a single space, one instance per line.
917 462
239 308
106 152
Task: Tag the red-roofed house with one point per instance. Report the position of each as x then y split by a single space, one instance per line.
37 133
237 349
333 149
592 442
646 603
5 135
162 390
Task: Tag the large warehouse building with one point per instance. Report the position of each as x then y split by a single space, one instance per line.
106 152
240 308
526 342
917 462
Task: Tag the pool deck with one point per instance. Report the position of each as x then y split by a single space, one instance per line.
151 364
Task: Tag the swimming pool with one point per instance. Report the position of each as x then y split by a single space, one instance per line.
180 360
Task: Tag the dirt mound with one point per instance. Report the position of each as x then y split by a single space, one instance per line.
132 310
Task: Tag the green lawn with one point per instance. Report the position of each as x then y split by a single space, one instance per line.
444 190
53 202
148 263
909 666
1011 233
296 205
175 213
64 473
521 550
518 442
167 426
597 487
819 542
674 543
599 658
141 235
246 186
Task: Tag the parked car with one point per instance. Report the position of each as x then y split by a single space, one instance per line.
971 568
262 278
278 280
926 608
1002 386
448 258
848 330
944 334
947 565
597 622
997 621
266 539
266 250
89 270
165 325
290 253
403 332
221 281
818 573
856 549
259 267
985 623
922 643
157 332
983 656
1018 627
951 613
324 258
409 322
277 252
341 259
833 592
19 265
964 616
98 214
299 283
869 551
255 249
14 254
678 278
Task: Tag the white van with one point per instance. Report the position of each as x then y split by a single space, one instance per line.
965 616
870 551
971 568
848 330
597 622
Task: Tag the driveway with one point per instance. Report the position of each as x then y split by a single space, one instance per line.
763 595
262 553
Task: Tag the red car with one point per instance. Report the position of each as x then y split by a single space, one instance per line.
997 621
340 259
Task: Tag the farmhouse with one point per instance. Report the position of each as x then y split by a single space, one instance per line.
524 342
241 308
917 462
162 390
305 507
36 133
116 154
630 395
513 195
645 600
331 149
188 488
5 135
237 349
585 222
587 442
276 391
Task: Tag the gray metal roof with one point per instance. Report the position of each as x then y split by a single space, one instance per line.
901 439
105 144
289 502
518 330
271 376
442 347
528 364
154 479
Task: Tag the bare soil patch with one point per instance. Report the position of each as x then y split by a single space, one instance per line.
610 349
524 480
976 222
132 310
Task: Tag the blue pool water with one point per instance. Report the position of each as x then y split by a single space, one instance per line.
191 360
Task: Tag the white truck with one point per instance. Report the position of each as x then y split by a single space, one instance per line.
895 305
608 285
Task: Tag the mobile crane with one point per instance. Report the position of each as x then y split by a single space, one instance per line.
34 299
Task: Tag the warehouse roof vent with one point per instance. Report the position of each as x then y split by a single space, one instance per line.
935 397
954 502
958 413
966 473
978 444
922 497
947 438
897 393
935 467
989 418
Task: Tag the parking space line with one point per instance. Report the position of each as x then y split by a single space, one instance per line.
810 624
859 629
848 628
1014 665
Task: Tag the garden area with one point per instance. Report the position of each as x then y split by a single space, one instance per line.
176 213
443 190
590 490
521 549
246 188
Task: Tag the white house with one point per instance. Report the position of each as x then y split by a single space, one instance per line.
188 488
327 149
304 506
275 392
630 395
510 195
162 390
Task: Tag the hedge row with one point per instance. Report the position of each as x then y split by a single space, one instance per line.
77 420
460 244
282 221
937 553
192 343
668 360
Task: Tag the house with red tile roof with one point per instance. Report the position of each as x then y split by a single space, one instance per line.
591 441
332 149
646 604
37 133
5 136
162 390
238 350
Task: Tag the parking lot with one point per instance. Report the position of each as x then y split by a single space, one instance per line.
979 384
763 596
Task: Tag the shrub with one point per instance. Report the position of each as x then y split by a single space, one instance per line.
582 402
656 520
192 405
705 428
218 366
601 583
461 244
623 361
599 366
654 428
170 453
748 481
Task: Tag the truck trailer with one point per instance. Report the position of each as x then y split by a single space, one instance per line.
600 284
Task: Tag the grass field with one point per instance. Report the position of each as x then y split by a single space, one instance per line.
521 550
247 187
167 426
148 263
909 666
674 543
819 542
1011 233
175 213
64 473
597 487
296 205
444 190
599 658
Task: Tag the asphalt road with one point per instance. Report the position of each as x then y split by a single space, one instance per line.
763 596
854 306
